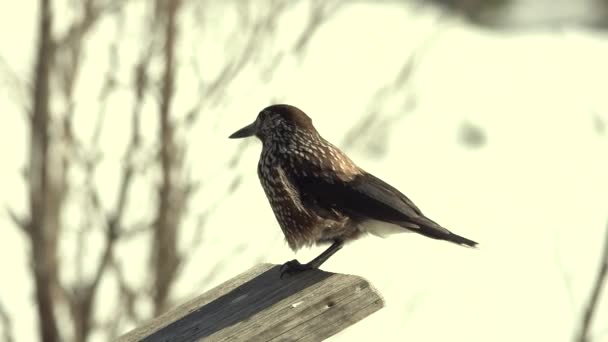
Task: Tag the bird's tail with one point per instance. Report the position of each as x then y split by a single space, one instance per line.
433 230
455 238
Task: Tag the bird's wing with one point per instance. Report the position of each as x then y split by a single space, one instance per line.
365 196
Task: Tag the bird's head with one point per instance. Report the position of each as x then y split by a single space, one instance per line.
275 120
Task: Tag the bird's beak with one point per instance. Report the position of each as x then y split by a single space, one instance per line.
244 132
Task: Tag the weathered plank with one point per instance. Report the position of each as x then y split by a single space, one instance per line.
259 306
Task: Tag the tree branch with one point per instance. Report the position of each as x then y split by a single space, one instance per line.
42 237
593 303
7 324
166 258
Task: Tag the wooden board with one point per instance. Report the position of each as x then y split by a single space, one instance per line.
259 306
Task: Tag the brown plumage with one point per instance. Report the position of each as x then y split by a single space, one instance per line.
319 195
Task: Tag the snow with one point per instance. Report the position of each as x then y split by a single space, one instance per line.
534 195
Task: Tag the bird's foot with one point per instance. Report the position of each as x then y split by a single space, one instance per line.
292 267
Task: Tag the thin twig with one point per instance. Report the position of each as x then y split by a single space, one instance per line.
19 221
592 305
566 277
20 87
129 296
320 11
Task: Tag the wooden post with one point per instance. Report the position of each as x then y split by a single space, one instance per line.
259 306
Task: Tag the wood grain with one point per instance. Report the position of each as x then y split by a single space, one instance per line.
259 306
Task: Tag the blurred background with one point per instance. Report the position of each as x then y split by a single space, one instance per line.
122 196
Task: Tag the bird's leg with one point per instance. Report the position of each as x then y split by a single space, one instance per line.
319 260
294 266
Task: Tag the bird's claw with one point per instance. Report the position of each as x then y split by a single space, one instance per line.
293 267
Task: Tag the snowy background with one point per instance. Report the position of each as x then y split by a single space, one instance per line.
497 133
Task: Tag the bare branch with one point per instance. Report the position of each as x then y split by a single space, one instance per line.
566 277
82 303
401 84
82 299
166 258
92 11
320 11
591 307
129 296
7 324
80 296
19 221
43 235
15 83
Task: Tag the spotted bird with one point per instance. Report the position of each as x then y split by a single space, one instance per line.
320 196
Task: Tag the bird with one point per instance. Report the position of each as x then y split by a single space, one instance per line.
319 196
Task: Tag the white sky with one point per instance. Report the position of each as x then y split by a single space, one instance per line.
535 196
